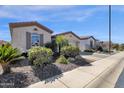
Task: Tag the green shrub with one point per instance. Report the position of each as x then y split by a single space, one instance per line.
70 51
62 60
50 45
99 48
121 47
89 50
39 55
8 54
105 50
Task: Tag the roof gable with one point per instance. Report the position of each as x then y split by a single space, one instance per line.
86 37
25 24
65 33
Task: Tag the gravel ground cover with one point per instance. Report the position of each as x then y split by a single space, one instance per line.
23 75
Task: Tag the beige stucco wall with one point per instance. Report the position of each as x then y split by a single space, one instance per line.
19 36
72 39
85 44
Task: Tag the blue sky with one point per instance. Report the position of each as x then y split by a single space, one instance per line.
83 20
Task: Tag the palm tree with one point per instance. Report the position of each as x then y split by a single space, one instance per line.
61 41
8 54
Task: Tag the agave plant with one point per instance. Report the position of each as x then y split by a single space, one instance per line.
8 54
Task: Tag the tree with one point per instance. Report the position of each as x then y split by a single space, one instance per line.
115 46
121 47
61 41
8 54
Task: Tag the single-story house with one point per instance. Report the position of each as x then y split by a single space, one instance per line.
105 44
2 42
72 38
87 42
98 43
24 35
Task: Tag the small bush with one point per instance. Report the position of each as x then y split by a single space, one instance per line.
70 51
105 50
100 49
89 50
62 60
50 45
39 55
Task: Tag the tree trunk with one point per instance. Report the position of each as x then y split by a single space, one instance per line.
6 68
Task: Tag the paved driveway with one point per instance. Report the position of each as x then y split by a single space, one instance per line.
94 56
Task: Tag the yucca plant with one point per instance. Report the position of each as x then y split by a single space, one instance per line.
8 54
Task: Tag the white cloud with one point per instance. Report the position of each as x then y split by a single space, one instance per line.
47 13
117 8
7 14
76 14
48 7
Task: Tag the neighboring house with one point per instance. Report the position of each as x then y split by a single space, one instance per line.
98 43
87 42
72 38
105 45
2 42
24 35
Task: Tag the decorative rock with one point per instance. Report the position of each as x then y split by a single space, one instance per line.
70 59
79 58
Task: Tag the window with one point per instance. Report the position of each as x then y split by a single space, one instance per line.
35 39
77 44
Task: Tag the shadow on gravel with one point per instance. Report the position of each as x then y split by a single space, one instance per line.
47 71
82 62
13 80
22 74
21 63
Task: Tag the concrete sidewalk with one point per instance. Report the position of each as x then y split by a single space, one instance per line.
97 75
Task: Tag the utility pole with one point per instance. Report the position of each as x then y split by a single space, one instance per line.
110 29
